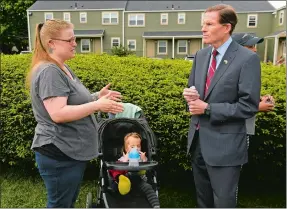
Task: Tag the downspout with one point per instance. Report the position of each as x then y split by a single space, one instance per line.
29 35
144 47
123 19
101 44
173 47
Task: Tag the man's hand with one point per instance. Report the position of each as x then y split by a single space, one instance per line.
266 104
197 107
190 94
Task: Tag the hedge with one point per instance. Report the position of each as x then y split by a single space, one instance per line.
154 85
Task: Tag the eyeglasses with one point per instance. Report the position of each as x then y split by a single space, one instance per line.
71 40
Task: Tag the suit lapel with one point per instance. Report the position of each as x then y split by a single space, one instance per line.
203 73
223 66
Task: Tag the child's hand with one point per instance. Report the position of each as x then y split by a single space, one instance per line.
125 157
143 157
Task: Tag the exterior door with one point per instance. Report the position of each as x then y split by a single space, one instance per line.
97 49
195 45
150 48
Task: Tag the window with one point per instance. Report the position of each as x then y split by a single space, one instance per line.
164 19
67 16
48 16
132 45
162 47
252 21
115 42
110 18
181 18
85 45
202 17
83 17
136 19
182 47
281 17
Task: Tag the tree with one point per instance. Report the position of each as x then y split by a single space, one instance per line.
14 28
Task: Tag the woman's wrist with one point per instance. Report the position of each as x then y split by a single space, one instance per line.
95 96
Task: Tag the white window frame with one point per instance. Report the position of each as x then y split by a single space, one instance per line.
86 17
248 20
69 14
84 51
136 25
115 38
48 13
110 18
184 18
281 12
128 43
178 47
161 18
162 53
202 17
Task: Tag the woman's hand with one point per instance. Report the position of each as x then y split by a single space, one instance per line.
106 104
114 95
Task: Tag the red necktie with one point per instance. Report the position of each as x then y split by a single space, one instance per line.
211 71
210 74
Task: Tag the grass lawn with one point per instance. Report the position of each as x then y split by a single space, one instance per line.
18 191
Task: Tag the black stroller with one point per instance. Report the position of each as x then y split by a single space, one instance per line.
111 135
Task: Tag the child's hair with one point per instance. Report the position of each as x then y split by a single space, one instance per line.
133 134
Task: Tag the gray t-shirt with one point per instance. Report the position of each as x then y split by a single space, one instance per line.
77 139
250 125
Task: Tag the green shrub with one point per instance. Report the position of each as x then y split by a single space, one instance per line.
154 85
121 51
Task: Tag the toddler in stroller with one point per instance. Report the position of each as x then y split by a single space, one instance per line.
129 193
123 178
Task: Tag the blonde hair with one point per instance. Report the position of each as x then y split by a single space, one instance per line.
44 32
132 134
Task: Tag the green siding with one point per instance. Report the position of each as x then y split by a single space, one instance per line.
266 24
94 22
152 23
275 25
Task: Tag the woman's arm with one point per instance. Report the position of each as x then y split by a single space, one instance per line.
60 112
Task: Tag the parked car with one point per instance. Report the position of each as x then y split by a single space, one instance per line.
25 52
189 57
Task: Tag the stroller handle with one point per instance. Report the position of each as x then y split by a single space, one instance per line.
124 166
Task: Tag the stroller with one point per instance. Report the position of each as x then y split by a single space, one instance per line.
111 134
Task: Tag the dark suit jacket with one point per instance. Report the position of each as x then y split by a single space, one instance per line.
233 95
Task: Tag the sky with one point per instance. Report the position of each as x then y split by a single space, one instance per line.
278 4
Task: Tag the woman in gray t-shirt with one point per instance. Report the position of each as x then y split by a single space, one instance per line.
66 133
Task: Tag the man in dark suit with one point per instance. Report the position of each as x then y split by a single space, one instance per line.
224 90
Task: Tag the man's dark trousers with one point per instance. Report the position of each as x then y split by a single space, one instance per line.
215 185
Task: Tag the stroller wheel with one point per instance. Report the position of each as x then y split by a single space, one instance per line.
89 201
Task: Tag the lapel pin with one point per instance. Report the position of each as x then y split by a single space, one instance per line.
225 61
